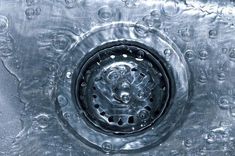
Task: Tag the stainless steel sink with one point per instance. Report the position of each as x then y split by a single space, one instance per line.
117 77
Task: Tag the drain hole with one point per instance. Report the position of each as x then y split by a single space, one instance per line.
122 88
133 69
120 122
97 106
131 120
111 119
142 74
148 108
102 113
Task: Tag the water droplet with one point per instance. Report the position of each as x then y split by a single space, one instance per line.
167 52
62 100
225 123
60 42
17 64
155 13
30 13
202 151
107 147
38 11
175 153
232 55
232 111
224 102
212 34
130 3
202 77
170 8
189 55
70 3
188 142
105 13
187 33
6 46
140 30
42 120
151 21
3 24
203 54
224 50
31 2
211 137
221 76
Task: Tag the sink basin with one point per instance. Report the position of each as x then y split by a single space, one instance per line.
117 77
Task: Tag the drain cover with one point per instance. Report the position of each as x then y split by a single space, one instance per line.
122 89
122 92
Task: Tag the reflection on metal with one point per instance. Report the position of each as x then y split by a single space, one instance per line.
85 77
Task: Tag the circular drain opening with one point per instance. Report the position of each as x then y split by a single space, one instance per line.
122 88
103 97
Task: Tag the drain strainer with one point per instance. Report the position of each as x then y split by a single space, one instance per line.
122 92
122 89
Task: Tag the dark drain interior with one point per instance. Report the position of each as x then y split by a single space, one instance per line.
122 88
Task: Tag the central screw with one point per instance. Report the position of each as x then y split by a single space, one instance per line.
125 97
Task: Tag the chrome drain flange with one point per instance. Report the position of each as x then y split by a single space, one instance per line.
123 92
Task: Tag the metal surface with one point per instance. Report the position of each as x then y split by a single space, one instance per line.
117 77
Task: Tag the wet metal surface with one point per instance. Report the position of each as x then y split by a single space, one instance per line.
42 45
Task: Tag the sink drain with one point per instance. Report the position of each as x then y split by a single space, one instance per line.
122 93
122 89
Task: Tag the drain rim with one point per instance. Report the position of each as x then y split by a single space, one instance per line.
175 64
